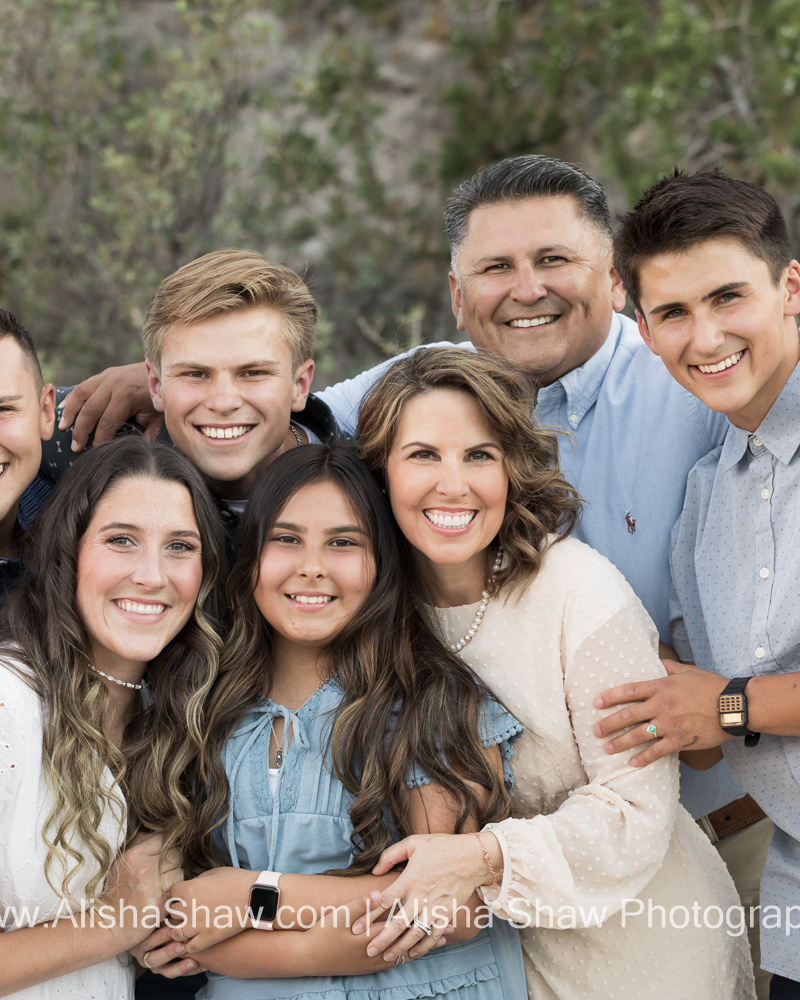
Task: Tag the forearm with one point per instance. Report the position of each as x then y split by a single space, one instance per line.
773 704
304 897
32 955
329 951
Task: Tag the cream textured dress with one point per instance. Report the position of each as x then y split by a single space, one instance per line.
617 889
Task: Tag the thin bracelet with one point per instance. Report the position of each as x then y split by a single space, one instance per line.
496 876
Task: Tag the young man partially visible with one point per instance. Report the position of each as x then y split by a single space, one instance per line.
27 416
707 261
228 340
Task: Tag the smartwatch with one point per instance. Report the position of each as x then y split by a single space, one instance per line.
265 895
732 709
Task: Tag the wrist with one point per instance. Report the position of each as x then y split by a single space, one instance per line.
490 870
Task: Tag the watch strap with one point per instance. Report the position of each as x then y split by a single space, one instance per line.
734 700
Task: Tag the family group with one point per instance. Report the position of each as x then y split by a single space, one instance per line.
474 676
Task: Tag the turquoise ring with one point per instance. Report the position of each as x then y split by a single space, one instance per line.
652 730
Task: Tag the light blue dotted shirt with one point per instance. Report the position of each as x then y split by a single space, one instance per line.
735 567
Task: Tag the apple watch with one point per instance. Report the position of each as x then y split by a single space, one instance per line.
265 895
732 709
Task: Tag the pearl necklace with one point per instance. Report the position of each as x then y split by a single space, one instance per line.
472 631
116 680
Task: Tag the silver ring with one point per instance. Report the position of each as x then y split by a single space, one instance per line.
145 962
652 730
180 931
400 960
423 926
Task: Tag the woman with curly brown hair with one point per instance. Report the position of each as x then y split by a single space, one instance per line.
597 862
110 652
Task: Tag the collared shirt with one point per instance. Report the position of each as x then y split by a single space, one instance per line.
735 566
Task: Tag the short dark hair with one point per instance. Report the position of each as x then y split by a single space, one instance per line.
11 327
683 210
517 178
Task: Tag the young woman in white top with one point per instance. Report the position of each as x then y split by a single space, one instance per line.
109 652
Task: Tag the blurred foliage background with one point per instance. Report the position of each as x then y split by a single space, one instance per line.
135 136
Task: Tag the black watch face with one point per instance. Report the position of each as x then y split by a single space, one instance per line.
264 902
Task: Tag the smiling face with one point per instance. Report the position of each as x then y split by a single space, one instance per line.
317 568
227 388
139 572
536 285
724 330
26 418
447 482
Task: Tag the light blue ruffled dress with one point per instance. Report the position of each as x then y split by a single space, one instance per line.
306 829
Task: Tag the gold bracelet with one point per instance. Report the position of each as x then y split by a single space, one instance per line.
496 876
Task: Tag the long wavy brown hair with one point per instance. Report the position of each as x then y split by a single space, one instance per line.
407 699
541 507
157 764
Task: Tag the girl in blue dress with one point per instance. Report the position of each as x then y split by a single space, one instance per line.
344 724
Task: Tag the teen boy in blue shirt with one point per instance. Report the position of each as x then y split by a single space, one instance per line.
707 261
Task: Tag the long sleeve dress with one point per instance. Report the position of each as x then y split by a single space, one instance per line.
26 898
616 889
305 827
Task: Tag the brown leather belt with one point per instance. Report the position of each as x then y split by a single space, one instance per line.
735 816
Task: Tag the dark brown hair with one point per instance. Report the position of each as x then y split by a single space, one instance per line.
684 210
407 699
11 327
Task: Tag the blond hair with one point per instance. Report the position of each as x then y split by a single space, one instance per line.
227 281
540 501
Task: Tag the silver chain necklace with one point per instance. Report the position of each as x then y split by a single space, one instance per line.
299 440
116 680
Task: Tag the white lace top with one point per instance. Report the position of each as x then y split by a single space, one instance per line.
25 896
589 832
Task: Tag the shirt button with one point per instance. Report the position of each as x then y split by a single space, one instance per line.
756 442
573 419
763 572
760 652
765 494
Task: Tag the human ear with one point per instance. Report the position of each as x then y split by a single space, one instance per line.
645 332
154 386
302 385
618 296
47 402
455 298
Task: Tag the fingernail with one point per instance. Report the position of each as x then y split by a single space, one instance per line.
609 749
597 731
375 896
598 702
180 949
372 952
389 956
62 423
75 446
358 927
190 965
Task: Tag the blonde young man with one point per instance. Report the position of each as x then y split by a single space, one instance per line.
228 340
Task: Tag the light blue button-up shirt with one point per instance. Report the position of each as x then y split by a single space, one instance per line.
634 434
735 567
